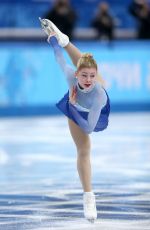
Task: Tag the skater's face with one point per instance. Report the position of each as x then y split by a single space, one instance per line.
86 77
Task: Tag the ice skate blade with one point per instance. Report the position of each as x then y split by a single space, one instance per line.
91 221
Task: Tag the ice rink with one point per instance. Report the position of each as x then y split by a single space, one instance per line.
39 184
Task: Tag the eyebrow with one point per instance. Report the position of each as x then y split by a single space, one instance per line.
87 73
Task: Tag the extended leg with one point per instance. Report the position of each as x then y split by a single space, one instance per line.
73 52
63 40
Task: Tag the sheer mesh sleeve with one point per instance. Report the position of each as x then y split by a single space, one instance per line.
99 101
68 71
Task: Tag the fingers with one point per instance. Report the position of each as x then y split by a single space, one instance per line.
73 93
75 90
51 34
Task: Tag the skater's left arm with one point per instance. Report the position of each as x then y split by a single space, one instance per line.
68 71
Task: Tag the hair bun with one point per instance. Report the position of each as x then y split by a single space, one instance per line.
86 61
87 55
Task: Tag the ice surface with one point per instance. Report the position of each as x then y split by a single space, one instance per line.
39 184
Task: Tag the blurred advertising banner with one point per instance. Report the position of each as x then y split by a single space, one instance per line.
127 74
30 76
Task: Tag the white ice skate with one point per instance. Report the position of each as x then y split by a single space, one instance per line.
89 205
50 27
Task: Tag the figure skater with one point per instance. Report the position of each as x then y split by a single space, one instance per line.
86 105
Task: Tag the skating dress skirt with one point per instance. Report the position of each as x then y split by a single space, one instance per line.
64 106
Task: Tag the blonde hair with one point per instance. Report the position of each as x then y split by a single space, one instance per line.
87 61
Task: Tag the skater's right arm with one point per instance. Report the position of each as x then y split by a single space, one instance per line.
68 71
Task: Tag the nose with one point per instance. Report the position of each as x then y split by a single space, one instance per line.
88 79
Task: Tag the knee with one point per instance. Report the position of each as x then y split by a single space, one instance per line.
84 151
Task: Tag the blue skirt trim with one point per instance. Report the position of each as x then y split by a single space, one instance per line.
63 106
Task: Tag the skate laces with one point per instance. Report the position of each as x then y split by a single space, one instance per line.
45 24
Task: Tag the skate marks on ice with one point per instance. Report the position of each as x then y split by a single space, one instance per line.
39 186
62 211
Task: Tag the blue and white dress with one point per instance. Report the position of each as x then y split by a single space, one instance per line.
92 108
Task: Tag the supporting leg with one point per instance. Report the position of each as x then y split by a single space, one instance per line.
83 146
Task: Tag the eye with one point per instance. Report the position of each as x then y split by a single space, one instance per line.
84 75
92 76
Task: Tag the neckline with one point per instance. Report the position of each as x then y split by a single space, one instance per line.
85 90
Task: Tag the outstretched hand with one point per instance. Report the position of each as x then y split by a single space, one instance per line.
51 34
72 97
